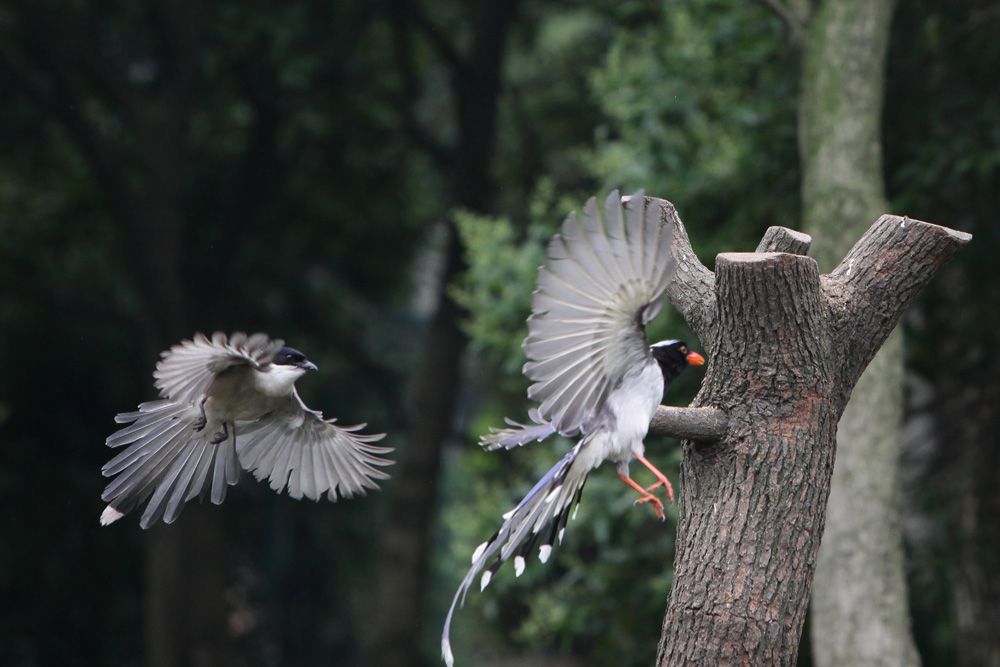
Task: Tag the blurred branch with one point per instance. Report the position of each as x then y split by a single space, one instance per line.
403 53
978 17
796 15
432 34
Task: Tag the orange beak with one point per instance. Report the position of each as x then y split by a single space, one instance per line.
695 359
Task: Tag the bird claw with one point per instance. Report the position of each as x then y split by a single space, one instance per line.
665 483
221 435
655 502
662 479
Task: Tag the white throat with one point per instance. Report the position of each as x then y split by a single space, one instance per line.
277 380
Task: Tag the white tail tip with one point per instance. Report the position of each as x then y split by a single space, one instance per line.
485 581
479 552
518 565
552 494
110 515
449 658
544 552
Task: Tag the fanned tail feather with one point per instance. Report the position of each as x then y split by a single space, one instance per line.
167 462
549 503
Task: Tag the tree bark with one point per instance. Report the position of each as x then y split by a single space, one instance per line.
701 424
859 605
785 348
748 523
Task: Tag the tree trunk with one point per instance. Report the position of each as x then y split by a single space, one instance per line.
185 619
760 492
785 347
400 593
185 582
970 462
400 589
859 605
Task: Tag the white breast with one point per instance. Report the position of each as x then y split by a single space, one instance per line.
632 406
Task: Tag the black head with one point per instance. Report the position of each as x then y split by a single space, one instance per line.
674 356
289 356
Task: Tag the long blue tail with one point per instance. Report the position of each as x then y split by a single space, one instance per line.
549 503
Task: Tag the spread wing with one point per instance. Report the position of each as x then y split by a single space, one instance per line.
188 368
295 447
587 328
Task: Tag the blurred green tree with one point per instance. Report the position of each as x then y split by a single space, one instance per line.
181 166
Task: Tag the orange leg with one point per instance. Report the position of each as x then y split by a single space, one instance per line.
664 482
647 497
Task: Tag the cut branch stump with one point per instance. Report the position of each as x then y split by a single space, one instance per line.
785 347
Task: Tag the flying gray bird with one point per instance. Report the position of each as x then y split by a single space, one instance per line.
229 403
593 373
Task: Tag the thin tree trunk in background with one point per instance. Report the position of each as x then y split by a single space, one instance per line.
185 610
860 614
964 475
400 588
398 607
976 480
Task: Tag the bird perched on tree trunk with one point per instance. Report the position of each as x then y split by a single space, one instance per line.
593 373
230 403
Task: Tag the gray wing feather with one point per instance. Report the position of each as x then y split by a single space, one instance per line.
602 286
295 448
518 434
612 240
188 368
